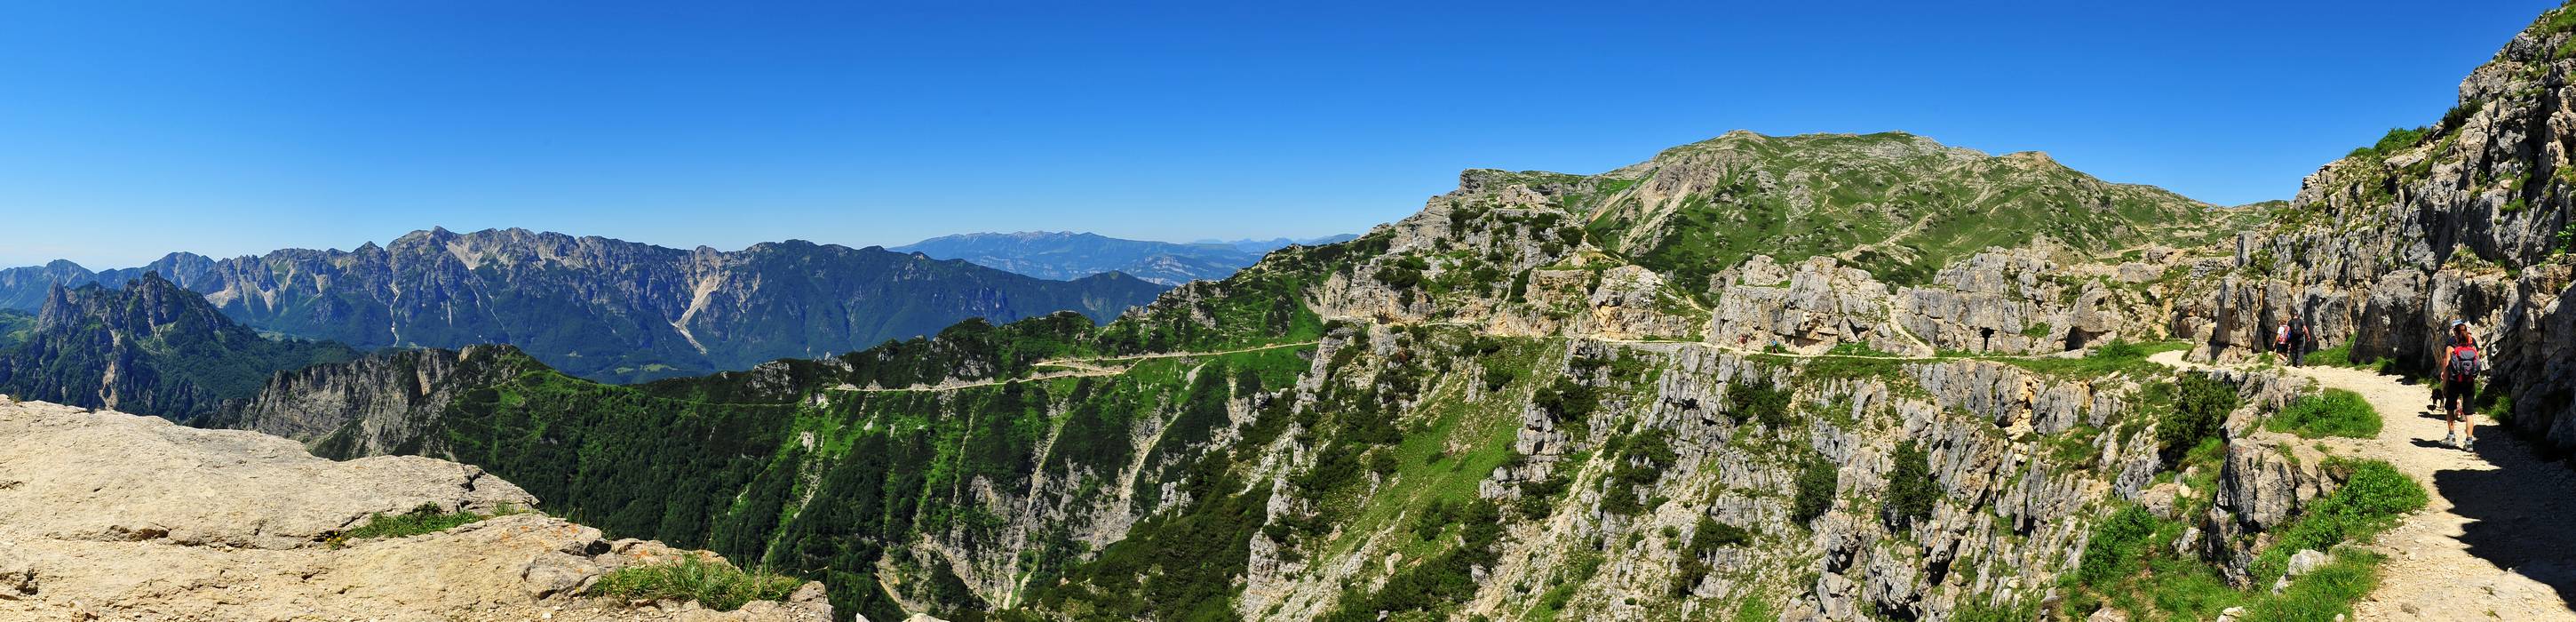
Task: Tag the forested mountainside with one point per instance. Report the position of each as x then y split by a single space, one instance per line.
1068 255
2470 217
14 326
606 309
147 348
1486 409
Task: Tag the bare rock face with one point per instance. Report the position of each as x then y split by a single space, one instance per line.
116 516
1808 308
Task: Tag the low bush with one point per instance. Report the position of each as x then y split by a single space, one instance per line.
2199 405
716 585
2335 412
1758 400
1817 479
1911 490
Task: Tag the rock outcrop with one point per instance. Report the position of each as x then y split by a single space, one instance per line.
105 515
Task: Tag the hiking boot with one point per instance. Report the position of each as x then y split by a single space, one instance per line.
2469 445
2450 439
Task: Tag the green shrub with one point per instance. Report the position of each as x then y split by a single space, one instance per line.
2200 405
716 585
1567 399
1910 488
2396 139
2336 412
1816 482
2456 116
1642 461
1758 400
1706 537
420 520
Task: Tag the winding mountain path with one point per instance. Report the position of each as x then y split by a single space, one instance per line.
1077 368
2497 541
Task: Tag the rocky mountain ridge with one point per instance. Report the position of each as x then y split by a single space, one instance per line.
608 309
148 347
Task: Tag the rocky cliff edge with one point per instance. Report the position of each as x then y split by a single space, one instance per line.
110 516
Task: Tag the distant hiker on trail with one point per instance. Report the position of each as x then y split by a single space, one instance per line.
2297 341
2281 339
2461 364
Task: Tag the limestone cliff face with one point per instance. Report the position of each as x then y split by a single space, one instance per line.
2466 219
377 405
109 515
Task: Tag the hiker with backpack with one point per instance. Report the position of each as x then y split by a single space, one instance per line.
2461 364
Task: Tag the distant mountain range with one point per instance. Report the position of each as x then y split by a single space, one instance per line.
600 308
1069 255
148 347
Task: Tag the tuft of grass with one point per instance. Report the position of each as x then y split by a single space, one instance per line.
718 586
2336 412
420 520
2341 356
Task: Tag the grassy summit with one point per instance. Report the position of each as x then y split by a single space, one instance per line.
1897 204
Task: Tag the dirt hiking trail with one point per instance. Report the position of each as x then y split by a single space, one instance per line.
2497 539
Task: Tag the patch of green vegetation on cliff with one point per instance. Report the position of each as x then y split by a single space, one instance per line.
1434 586
717 585
2115 358
426 519
14 326
1911 491
2128 563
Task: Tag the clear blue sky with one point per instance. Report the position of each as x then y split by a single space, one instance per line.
128 130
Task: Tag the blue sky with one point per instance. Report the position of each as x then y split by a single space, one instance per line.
128 130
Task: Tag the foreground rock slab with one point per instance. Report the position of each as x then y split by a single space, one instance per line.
109 516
